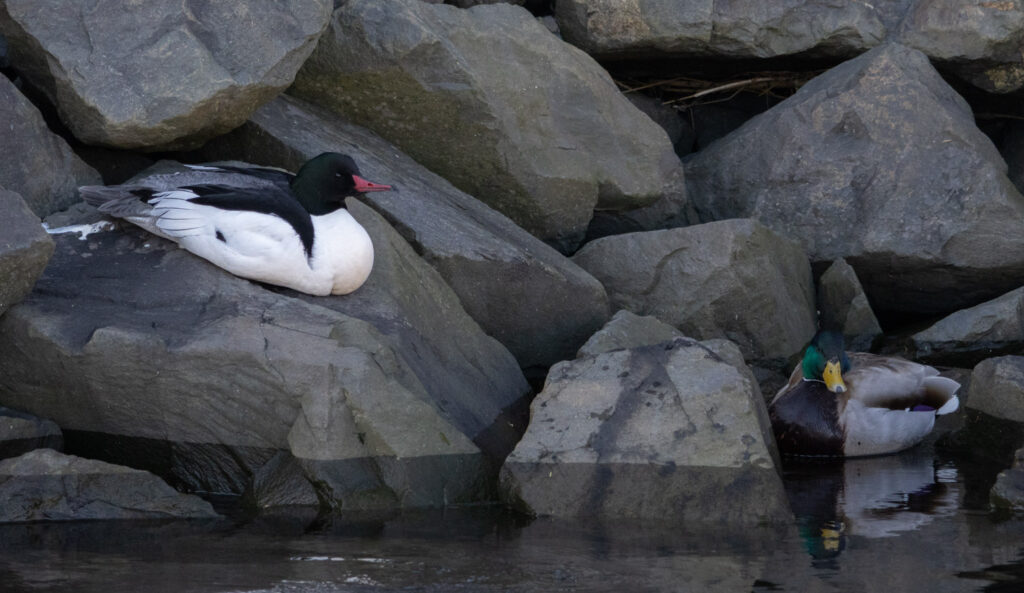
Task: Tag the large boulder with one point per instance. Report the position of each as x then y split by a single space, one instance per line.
878 161
731 279
21 433
666 28
997 388
145 354
534 300
24 248
158 74
979 42
45 485
492 101
975 333
667 431
628 330
843 306
45 172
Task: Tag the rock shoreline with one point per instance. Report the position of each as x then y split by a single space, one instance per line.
564 315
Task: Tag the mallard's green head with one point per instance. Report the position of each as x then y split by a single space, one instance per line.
825 360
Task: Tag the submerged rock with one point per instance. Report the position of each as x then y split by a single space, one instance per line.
389 397
24 249
45 485
848 167
155 74
1008 492
531 298
45 172
671 431
732 279
496 104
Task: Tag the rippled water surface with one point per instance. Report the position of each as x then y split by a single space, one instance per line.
911 522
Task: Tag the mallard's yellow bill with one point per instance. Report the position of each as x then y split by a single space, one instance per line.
833 377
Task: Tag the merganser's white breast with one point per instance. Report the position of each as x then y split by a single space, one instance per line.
255 227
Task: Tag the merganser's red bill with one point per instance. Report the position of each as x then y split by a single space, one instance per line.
363 186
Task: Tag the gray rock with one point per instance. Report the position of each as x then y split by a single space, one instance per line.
1008 491
992 327
997 388
390 396
492 101
979 41
21 433
627 330
534 300
843 306
45 485
157 75
732 279
666 431
24 248
46 173
848 166
738 29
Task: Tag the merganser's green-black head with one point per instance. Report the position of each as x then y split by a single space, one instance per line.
323 183
825 360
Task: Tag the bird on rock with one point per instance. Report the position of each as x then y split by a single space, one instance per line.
850 404
259 223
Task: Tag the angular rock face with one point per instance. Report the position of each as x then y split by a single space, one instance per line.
627 330
21 433
879 161
46 172
45 485
148 75
530 125
977 332
844 307
522 292
667 431
129 339
997 388
732 279
745 29
24 249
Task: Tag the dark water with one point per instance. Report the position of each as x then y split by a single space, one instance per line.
912 522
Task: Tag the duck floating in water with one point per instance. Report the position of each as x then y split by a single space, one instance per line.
851 404
259 223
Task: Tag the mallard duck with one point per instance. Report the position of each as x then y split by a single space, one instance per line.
256 222
851 404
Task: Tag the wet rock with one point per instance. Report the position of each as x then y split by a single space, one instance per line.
664 28
149 75
829 167
24 248
667 431
45 485
21 433
46 173
997 388
976 333
731 279
628 330
534 300
388 397
1008 492
844 307
544 142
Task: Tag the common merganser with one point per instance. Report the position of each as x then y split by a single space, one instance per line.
256 222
